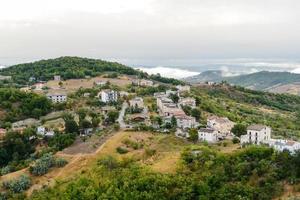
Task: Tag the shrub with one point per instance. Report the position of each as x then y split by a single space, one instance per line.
122 150
235 140
42 165
132 144
60 162
5 170
18 185
109 162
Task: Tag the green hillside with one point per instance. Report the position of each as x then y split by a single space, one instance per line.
263 80
72 68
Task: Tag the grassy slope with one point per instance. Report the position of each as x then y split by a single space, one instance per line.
247 106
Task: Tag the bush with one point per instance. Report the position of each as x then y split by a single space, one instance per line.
5 170
132 144
122 150
60 162
235 140
109 162
18 185
42 165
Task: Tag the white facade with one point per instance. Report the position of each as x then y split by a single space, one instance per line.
100 83
257 134
57 98
184 121
142 82
208 135
41 130
109 96
57 78
281 145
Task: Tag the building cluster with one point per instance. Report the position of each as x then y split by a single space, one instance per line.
261 135
168 109
217 128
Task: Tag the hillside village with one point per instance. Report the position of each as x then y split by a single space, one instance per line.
80 116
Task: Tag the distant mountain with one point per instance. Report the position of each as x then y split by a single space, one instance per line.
278 82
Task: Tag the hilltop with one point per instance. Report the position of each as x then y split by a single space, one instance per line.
72 68
277 82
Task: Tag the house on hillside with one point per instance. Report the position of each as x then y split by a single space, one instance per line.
208 134
281 145
108 96
221 124
188 101
185 122
142 82
57 97
100 83
57 78
137 102
256 134
183 88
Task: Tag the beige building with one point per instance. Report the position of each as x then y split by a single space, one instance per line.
221 124
137 101
188 101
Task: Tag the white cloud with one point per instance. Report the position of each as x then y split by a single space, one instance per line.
169 72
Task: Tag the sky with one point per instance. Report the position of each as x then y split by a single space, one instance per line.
150 32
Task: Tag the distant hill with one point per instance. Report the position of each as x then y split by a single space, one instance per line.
264 80
73 68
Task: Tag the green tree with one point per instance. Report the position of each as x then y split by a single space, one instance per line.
239 129
112 116
173 122
195 112
193 135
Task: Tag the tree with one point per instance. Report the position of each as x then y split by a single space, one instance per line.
70 124
239 129
112 116
173 122
174 97
95 121
195 112
193 134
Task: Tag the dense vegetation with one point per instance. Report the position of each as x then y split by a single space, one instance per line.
17 105
254 173
73 67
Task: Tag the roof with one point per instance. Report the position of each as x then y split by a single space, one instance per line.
57 94
207 130
256 127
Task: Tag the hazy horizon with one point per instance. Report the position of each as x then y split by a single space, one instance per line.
150 32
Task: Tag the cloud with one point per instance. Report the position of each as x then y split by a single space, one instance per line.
169 72
296 71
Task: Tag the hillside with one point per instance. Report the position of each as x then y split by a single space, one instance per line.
72 68
278 82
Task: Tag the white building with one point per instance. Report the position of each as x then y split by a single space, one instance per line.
57 97
257 134
142 82
185 122
169 92
109 96
281 145
100 83
208 134
137 101
41 130
188 101
221 124
57 78
183 88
